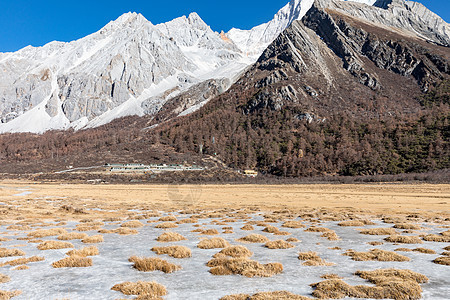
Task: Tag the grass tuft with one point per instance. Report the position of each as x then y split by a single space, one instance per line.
403 239
72 236
174 251
86 251
212 243
253 238
93 239
49 245
73 262
376 255
5 252
132 224
378 231
148 264
166 225
144 289
279 244
313 259
170 237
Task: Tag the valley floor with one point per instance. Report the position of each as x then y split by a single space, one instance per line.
411 220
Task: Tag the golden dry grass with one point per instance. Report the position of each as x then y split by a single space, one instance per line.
148 264
292 240
247 227
93 239
22 261
318 229
169 218
407 226
253 238
447 248
403 239
73 261
5 252
72 236
337 289
87 227
209 232
40 233
375 243
212 243
114 200
356 223
170 237
132 224
279 244
4 278
235 251
311 258
442 260
377 255
390 283
436 238
165 225
5 295
378 231
424 250
125 231
293 224
381 276
330 276
49 245
242 266
21 267
187 220
276 295
145 289
446 253
174 251
85 251
275 230
330 235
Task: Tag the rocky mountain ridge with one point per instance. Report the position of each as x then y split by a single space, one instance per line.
132 67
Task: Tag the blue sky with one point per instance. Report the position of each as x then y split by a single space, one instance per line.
31 22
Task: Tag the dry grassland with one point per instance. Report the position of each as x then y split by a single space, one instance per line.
400 200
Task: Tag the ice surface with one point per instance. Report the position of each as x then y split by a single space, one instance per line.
194 281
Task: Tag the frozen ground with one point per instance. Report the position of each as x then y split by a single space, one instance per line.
194 281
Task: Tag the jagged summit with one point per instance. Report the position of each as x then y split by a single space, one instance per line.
133 67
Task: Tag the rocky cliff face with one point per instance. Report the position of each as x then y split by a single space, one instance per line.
334 93
331 61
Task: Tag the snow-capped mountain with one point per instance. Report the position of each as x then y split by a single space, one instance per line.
133 67
128 67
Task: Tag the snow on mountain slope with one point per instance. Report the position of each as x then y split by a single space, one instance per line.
111 73
252 42
132 67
